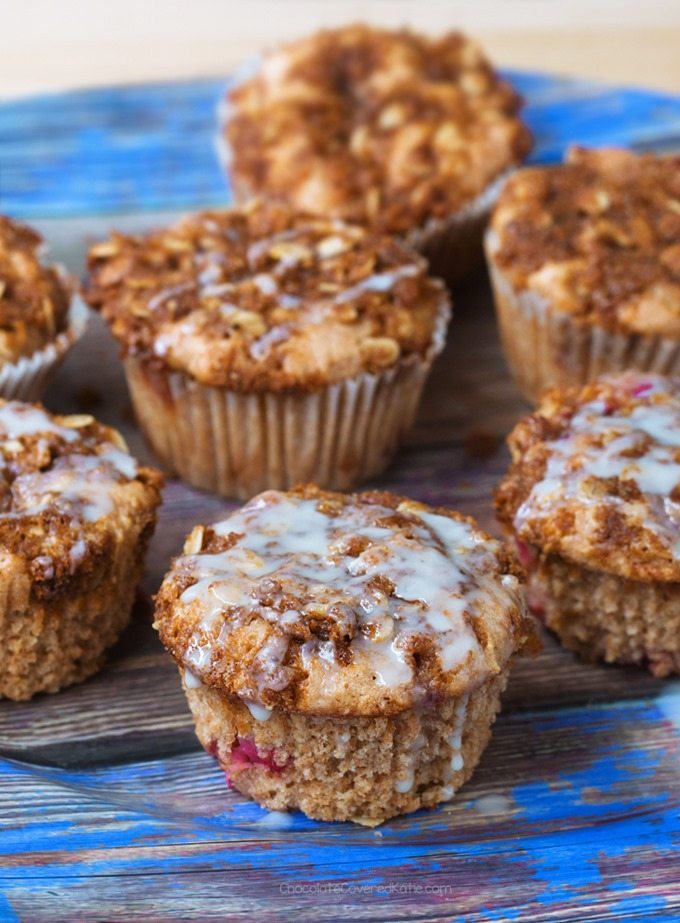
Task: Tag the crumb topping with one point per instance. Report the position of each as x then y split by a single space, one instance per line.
596 476
329 602
34 299
63 482
263 298
389 128
598 236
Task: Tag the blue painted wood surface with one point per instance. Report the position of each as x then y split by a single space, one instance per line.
108 808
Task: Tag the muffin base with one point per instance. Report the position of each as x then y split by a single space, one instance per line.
46 645
605 617
28 377
361 769
238 444
545 347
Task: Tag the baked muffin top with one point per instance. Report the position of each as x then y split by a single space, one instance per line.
337 604
596 476
66 485
599 236
389 128
34 299
265 298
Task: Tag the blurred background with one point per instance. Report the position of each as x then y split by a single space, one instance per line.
58 44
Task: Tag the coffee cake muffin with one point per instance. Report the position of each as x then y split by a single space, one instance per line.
76 515
410 134
585 265
593 501
343 654
264 347
39 316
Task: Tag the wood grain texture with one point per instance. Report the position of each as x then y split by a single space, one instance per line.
109 810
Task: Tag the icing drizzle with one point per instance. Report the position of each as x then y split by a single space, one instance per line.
381 584
639 446
77 483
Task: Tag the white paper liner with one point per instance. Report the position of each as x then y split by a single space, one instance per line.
238 444
27 379
545 347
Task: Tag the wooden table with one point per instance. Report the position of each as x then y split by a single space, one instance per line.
109 810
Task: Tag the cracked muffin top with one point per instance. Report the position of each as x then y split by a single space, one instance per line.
598 236
67 483
328 603
596 476
390 128
264 298
34 299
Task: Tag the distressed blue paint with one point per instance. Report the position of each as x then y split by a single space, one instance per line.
150 147
578 826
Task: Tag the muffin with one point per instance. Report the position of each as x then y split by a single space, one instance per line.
410 134
264 347
76 515
343 654
585 266
39 316
593 501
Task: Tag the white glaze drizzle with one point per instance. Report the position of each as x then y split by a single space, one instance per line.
443 575
641 447
77 484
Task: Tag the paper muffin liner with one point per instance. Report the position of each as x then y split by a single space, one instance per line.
28 377
546 347
238 444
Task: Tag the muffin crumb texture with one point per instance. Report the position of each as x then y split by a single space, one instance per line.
76 514
393 129
310 618
593 502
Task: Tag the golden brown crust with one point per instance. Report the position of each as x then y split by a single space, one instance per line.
390 128
34 299
66 484
595 476
326 603
263 298
597 237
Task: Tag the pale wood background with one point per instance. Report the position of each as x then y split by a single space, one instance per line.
57 44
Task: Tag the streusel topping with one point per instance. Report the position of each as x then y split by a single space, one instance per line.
62 480
596 476
34 299
391 128
599 236
263 298
333 603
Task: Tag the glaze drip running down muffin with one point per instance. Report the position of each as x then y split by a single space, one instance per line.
313 337
593 498
585 260
34 299
388 128
76 514
311 618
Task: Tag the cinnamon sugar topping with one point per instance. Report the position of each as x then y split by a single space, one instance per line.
34 299
61 478
379 127
598 237
324 598
596 476
262 298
